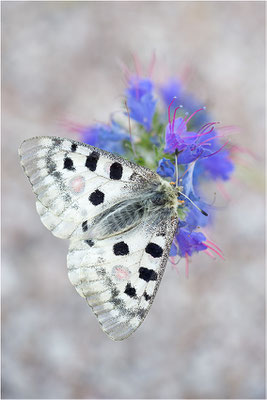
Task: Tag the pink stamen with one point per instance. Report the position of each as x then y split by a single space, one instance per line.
72 126
173 120
240 149
152 64
183 122
221 136
208 140
130 129
212 154
206 233
137 90
186 265
137 65
204 127
186 74
215 251
201 134
223 191
125 71
237 181
194 113
169 112
213 244
229 130
206 133
172 260
209 254
214 137
242 162
174 264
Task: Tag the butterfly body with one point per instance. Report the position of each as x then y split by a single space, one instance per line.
120 219
125 215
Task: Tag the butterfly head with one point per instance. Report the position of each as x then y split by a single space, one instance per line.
165 196
178 189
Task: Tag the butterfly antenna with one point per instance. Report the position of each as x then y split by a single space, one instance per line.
130 129
202 211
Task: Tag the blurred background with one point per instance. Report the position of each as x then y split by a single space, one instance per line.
204 336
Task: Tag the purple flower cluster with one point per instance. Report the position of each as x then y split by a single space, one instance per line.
202 155
173 88
141 101
188 243
188 133
107 137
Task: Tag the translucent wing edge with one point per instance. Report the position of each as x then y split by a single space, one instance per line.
145 172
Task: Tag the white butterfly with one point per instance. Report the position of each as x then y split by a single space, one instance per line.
120 218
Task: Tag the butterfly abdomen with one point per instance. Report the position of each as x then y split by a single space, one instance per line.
125 218
118 219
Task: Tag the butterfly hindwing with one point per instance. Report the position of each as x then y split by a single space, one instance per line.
119 276
75 182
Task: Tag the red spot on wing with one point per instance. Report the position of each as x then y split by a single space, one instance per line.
121 273
77 184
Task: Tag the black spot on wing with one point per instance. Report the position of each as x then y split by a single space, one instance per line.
84 226
130 290
68 164
91 161
97 197
147 274
121 249
73 147
89 242
146 296
116 171
154 250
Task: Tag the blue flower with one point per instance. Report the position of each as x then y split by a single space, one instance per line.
140 101
106 137
173 136
173 250
174 88
187 143
191 145
166 168
194 217
200 152
188 242
219 166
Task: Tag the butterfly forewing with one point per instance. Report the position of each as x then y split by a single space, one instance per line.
75 182
121 219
